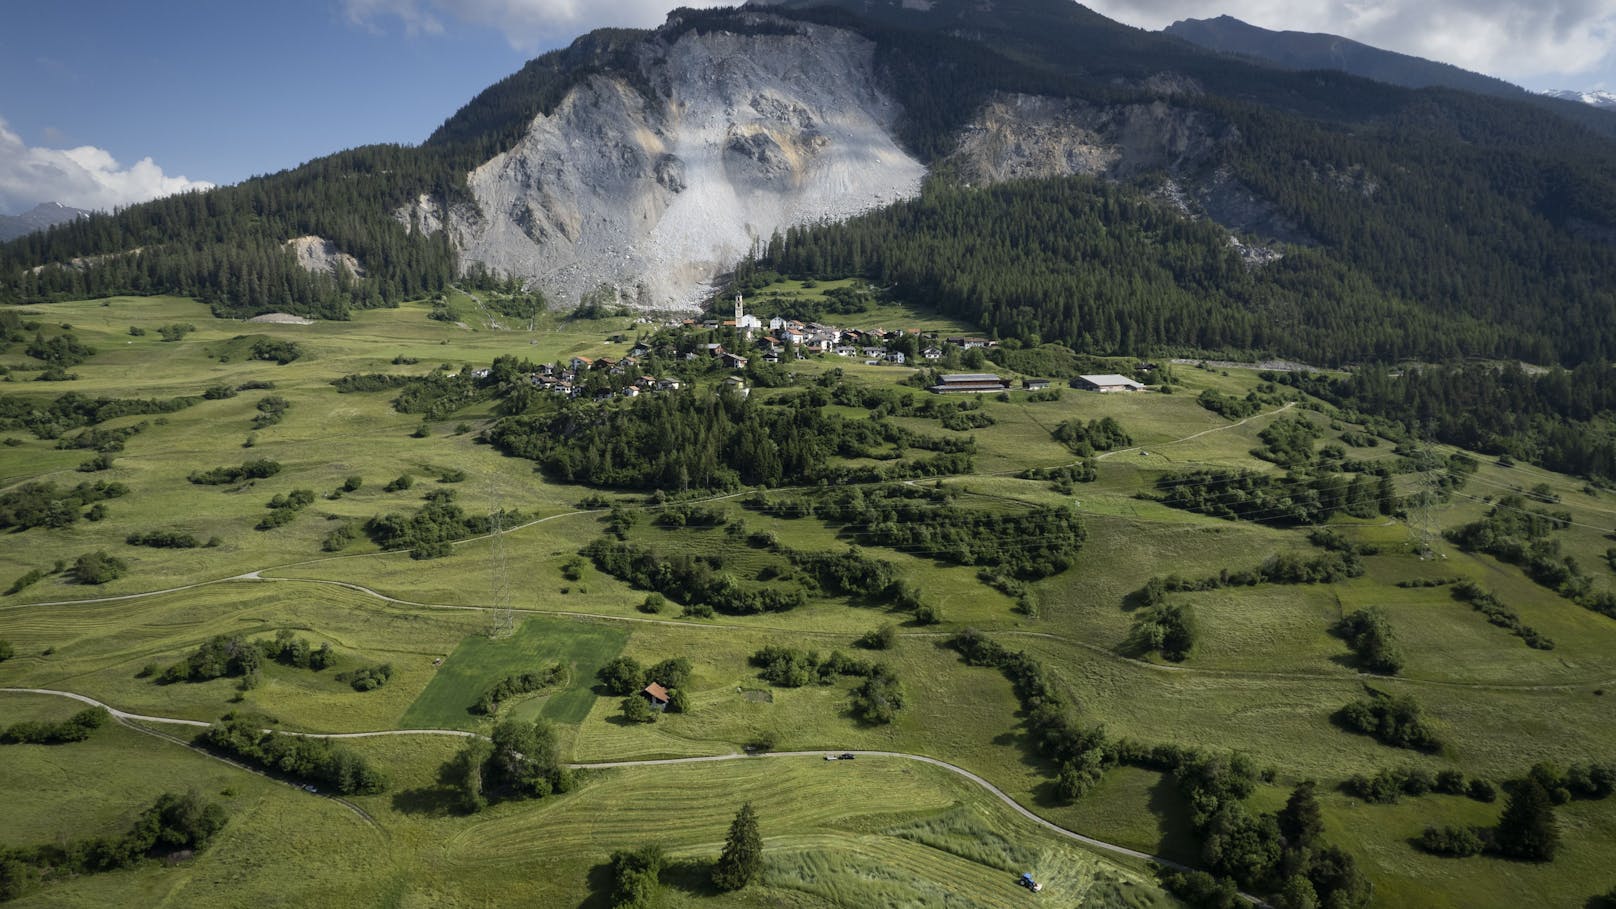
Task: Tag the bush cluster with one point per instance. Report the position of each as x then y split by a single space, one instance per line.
319 761
173 823
515 684
1369 633
1392 720
48 505
75 728
257 469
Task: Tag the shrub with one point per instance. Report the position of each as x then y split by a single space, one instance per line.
1370 635
257 469
621 676
26 581
1167 628
1393 721
637 710
281 352
882 638
1456 842
163 539
636 877
321 761
369 678
98 568
76 728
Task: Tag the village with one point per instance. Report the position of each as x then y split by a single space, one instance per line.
748 347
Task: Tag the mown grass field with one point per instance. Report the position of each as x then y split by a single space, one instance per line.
481 661
1264 678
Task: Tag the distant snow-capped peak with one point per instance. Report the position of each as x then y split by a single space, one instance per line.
1596 98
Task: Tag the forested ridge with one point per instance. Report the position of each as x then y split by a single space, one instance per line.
1561 419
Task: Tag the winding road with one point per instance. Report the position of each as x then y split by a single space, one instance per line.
133 719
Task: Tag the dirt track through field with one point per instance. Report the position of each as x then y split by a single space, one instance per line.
131 719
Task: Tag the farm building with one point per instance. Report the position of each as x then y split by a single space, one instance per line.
970 383
657 695
1108 383
1035 384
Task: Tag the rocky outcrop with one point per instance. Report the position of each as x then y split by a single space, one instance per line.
1025 137
320 255
657 185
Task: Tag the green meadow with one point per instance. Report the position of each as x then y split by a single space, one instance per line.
1264 677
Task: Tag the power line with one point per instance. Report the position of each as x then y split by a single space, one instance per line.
501 619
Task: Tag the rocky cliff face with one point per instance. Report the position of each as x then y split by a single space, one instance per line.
1027 137
656 192
656 179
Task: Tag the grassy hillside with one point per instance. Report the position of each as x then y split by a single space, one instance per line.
1264 677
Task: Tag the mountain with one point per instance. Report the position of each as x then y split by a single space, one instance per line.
1314 51
41 216
1308 50
1601 99
1027 165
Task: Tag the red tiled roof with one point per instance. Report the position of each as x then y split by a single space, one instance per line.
657 692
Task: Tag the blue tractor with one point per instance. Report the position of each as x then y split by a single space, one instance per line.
1029 883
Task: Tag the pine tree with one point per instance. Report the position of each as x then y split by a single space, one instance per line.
1300 820
1526 829
743 852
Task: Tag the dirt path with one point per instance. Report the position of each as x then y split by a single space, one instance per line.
136 721
1197 435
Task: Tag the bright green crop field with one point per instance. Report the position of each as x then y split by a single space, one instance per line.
1264 677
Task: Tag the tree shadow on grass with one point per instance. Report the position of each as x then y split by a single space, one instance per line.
692 876
441 800
1172 813
430 801
599 882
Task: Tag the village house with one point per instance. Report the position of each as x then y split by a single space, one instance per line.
932 353
656 695
733 361
581 363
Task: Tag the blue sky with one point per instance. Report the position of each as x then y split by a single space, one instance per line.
218 91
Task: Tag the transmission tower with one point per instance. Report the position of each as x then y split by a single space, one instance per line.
501 621
1422 514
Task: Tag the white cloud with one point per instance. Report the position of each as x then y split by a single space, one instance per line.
1522 40
83 177
526 24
